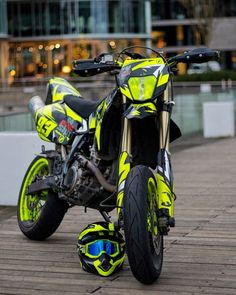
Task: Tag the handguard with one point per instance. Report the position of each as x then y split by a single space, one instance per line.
87 68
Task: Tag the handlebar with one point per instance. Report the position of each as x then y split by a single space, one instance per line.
198 55
105 61
87 68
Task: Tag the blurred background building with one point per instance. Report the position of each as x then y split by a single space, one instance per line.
179 25
45 36
40 38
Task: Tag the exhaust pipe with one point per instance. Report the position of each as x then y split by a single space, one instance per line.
34 104
98 174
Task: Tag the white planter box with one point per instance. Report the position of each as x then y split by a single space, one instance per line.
17 150
218 119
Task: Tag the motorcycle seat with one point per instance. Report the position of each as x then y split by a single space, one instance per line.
81 106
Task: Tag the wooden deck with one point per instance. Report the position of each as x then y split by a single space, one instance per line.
200 252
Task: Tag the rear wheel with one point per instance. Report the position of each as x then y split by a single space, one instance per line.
40 214
144 243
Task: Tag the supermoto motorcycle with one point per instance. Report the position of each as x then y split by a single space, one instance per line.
109 153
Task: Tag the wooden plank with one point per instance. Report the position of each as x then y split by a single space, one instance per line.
166 290
32 291
44 286
199 256
7 212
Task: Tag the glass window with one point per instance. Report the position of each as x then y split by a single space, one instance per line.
3 20
71 17
54 18
85 24
26 19
13 18
99 16
40 18
126 16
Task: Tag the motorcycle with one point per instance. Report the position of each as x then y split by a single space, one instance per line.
109 154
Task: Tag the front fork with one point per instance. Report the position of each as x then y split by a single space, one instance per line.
124 162
163 172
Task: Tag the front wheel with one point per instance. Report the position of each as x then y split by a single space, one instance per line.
40 214
144 243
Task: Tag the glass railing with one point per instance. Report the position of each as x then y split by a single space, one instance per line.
16 122
187 112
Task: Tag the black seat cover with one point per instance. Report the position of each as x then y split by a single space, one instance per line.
82 107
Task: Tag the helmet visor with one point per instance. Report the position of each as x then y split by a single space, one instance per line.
98 247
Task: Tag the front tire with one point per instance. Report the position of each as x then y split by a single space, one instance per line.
40 214
144 243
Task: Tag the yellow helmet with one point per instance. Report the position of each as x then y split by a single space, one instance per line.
101 248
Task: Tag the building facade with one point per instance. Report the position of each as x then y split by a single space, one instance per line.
45 36
3 39
40 38
179 25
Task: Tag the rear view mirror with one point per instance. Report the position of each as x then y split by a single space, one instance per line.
198 55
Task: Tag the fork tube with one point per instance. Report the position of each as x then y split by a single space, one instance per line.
124 162
164 122
126 134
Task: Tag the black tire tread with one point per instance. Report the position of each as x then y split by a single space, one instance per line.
135 226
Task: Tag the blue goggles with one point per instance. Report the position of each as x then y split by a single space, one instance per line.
98 247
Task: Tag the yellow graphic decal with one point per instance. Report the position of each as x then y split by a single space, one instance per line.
111 270
92 122
124 169
139 110
45 126
61 88
163 79
97 135
73 115
126 92
145 63
164 195
99 116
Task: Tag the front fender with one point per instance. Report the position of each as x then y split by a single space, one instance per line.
140 111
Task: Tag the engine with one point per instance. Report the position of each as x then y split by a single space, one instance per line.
85 183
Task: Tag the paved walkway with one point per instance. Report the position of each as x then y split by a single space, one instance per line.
200 252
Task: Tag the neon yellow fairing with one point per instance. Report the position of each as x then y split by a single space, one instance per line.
164 195
143 62
142 88
152 220
124 169
142 80
92 121
99 116
140 110
60 87
57 122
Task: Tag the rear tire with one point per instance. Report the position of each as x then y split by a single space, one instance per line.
144 243
39 215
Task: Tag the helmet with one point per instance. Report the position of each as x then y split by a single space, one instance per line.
101 248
